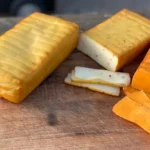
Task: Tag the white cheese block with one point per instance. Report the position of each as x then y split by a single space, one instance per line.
117 41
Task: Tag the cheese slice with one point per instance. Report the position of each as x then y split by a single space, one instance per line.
110 90
31 50
117 41
134 112
141 78
89 75
141 98
129 90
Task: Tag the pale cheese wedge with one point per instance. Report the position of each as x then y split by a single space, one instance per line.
90 75
110 90
117 41
31 50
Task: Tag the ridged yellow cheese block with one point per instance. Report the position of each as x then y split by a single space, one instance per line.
141 78
117 41
31 50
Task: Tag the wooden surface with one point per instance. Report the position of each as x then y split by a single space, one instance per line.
62 117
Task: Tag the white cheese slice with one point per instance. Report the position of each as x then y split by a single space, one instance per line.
90 75
110 90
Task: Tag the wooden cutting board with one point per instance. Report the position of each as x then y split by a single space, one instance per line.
56 116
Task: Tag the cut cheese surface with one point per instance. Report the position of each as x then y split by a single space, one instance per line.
141 78
115 91
31 50
90 75
134 112
117 41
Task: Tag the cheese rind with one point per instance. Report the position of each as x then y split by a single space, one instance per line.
117 41
31 50
100 76
141 78
110 90
134 112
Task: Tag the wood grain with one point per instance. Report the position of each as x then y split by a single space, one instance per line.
56 116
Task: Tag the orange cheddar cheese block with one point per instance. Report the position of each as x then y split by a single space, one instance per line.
141 78
117 41
31 51
133 112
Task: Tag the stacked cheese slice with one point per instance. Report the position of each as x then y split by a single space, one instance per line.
99 80
135 107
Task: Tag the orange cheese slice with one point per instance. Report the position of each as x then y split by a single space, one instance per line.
133 112
129 90
141 98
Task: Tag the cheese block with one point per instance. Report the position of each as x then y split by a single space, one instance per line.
141 78
31 50
117 41
110 90
134 112
90 75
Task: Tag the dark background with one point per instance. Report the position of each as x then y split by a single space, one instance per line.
25 7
